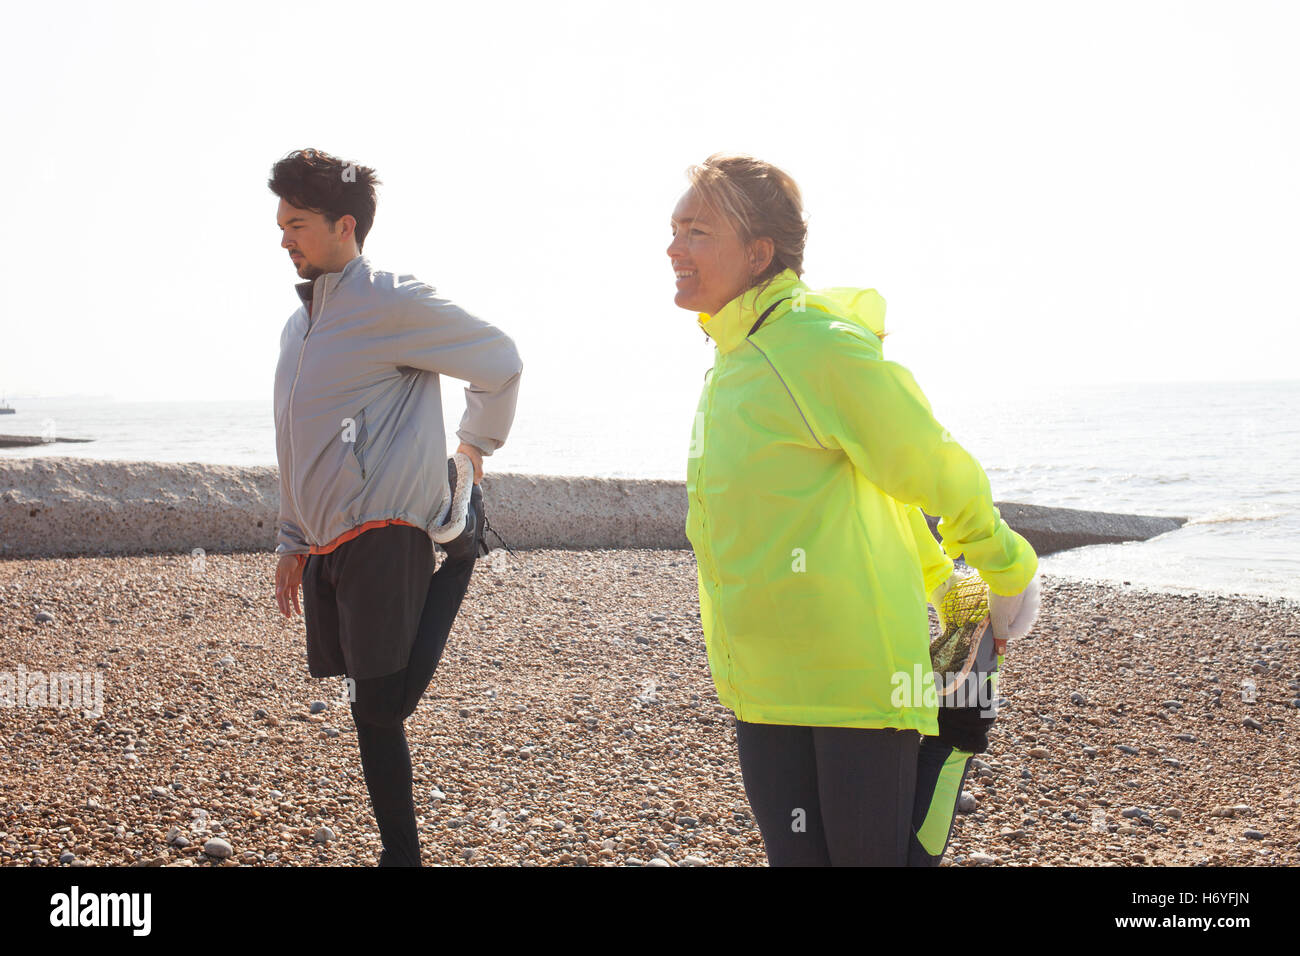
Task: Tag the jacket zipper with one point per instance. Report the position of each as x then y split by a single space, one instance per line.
313 318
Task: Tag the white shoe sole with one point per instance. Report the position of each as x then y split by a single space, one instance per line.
454 523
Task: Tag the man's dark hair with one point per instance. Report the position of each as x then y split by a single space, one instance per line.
310 179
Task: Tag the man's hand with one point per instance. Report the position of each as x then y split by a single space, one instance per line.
476 456
288 577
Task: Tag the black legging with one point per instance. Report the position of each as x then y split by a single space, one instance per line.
844 796
383 703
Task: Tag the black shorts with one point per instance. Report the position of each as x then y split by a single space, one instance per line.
362 602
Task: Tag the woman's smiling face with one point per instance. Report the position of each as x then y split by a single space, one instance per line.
708 257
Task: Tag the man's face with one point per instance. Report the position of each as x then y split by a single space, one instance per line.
312 243
707 249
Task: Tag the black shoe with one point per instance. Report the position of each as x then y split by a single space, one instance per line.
470 544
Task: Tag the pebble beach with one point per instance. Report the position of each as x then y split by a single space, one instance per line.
573 722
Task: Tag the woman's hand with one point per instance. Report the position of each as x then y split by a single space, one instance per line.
288 577
476 456
1013 616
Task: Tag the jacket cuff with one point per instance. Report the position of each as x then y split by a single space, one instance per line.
485 445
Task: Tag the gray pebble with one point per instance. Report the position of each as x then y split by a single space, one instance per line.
217 847
966 802
67 857
658 861
1252 723
1125 748
1254 834
318 705
323 835
44 616
1076 698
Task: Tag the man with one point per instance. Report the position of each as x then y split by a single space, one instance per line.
365 485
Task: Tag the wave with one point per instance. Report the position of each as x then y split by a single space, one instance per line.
1237 517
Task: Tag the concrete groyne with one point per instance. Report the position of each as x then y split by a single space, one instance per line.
55 506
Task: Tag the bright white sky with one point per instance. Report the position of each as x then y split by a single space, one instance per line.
1047 192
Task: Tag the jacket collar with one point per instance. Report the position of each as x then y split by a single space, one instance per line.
730 325
330 280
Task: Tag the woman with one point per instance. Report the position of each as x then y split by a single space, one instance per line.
811 461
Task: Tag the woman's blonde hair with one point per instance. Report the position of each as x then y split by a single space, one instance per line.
760 200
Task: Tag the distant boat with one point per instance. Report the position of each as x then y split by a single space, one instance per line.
5 408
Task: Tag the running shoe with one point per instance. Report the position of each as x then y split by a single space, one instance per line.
455 505
965 635
469 545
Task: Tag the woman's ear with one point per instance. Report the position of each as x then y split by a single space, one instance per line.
760 255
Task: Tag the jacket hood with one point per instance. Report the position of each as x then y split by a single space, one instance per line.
864 306
730 325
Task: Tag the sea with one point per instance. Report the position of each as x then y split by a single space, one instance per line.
1225 456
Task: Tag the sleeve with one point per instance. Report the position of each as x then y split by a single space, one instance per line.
290 539
436 335
875 412
936 566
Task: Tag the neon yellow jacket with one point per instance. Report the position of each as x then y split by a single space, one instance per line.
811 460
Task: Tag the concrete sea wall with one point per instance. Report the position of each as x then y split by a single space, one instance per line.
55 506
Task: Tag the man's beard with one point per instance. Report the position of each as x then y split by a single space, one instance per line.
309 271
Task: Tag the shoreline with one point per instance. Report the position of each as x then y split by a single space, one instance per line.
573 720
1143 590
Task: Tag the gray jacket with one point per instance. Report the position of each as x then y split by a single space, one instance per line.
358 412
